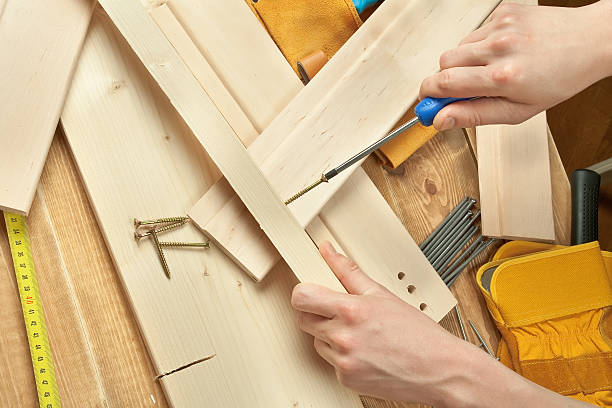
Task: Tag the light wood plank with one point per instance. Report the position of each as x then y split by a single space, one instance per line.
239 48
515 183
399 264
219 140
40 43
208 310
370 250
347 106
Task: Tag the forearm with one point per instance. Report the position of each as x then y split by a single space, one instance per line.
599 38
477 381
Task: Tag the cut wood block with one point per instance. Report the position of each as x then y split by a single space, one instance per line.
238 337
353 101
40 43
218 138
515 183
378 262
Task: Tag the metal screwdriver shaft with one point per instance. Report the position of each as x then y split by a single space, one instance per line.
425 113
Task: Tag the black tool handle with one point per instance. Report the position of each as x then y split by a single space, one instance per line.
585 196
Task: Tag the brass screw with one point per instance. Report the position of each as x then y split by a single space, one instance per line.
184 244
138 223
138 235
160 253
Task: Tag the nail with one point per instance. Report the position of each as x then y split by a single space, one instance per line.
482 342
460 323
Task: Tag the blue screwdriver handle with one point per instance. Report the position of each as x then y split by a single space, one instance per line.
428 108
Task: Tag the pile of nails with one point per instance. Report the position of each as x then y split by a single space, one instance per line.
152 228
444 248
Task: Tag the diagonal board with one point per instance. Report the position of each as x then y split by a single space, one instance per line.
145 162
515 182
219 140
378 262
363 90
40 43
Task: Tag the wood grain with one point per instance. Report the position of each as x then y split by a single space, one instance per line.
515 183
365 242
199 316
221 143
347 97
38 58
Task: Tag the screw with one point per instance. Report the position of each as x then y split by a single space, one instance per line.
184 244
138 223
138 235
160 253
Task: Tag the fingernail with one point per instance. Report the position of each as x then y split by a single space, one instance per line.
448 123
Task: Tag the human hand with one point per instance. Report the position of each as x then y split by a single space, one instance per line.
525 59
378 344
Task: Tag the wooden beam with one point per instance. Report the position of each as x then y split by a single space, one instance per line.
243 333
40 43
364 241
515 182
347 106
219 140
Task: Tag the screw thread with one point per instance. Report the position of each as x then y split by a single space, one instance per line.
305 190
138 223
185 244
160 254
160 229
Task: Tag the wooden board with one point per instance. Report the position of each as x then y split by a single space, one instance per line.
40 43
515 183
204 311
347 106
363 241
220 141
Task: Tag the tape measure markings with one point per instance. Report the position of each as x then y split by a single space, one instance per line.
38 340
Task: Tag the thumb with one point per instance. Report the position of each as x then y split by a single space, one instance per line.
354 280
483 111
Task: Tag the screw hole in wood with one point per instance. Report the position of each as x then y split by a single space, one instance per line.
401 275
411 289
422 306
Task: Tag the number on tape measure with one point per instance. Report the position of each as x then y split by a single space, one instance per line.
40 351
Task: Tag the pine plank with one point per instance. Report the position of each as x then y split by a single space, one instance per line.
515 181
244 331
220 141
346 107
365 242
239 49
38 58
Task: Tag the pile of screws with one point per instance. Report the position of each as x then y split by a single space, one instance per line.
447 241
152 228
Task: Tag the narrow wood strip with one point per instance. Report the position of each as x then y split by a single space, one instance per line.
219 140
40 43
515 181
346 107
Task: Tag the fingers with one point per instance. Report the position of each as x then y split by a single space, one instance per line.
311 298
325 351
466 55
352 278
484 111
460 82
314 325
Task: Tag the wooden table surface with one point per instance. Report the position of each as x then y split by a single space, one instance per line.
100 357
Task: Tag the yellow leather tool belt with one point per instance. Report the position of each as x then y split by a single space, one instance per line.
552 305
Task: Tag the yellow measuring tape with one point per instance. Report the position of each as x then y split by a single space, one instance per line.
42 362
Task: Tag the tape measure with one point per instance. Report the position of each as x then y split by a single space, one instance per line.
42 362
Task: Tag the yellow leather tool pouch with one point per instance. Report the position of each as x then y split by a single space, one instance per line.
553 309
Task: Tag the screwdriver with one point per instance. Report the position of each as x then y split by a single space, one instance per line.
425 112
